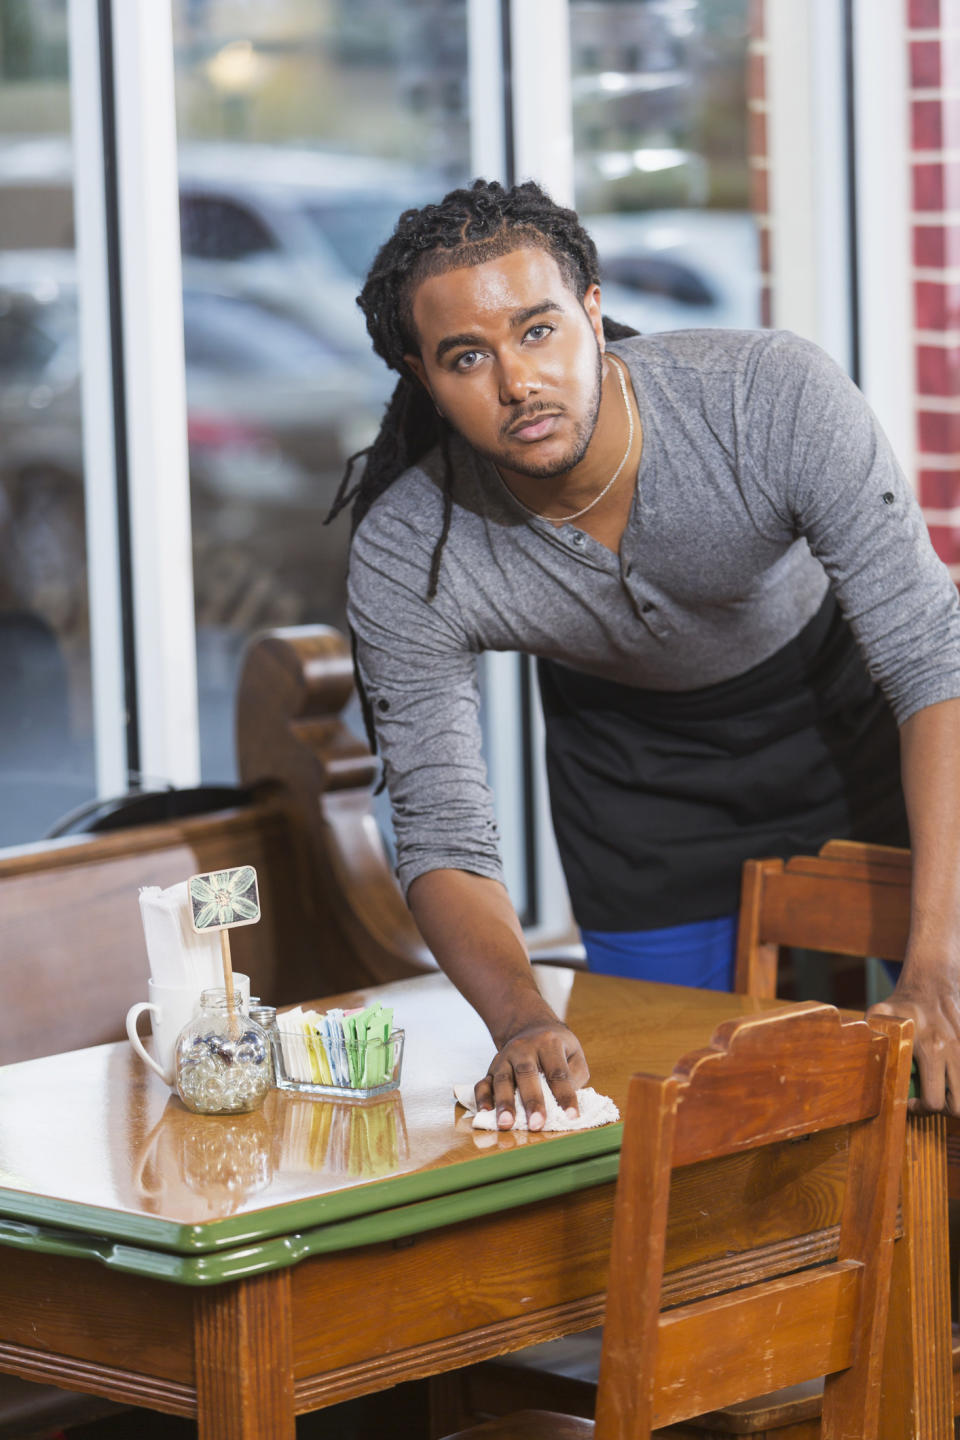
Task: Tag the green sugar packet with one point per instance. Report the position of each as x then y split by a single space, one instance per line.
354 1044
366 1034
380 1030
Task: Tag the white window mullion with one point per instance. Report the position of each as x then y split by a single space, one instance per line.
542 100
808 172
832 237
156 391
485 82
808 190
100 494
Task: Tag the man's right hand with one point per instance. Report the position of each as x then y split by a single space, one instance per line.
549 1048
473 930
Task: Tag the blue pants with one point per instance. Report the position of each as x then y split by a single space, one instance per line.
702 954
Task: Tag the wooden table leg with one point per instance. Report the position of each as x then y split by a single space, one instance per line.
244 1360
917 1372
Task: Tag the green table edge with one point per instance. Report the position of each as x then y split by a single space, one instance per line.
540 1156
278 1252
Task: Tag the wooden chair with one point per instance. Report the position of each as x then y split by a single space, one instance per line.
853 899
850 900
767 1082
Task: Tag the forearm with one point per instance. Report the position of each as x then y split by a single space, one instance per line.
473 930
930 767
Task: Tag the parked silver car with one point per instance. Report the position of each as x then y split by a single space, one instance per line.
274 407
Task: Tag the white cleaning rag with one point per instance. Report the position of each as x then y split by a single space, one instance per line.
594 1110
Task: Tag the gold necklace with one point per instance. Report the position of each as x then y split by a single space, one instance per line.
566 519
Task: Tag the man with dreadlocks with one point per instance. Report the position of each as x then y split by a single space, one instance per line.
702 536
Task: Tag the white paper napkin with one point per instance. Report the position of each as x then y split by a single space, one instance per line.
177 954
594 1110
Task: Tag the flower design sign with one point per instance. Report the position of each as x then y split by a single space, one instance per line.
224 899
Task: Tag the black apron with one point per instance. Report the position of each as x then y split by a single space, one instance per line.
658 797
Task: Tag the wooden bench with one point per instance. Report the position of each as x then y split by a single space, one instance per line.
72 954
71 941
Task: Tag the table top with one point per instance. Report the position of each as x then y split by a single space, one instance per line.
98 1158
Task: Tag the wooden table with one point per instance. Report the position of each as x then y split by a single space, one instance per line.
245 1269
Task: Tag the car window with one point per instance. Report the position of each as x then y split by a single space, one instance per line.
215 229
236 337
25 348
654 275
356 229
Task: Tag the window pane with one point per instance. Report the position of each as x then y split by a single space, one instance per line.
660 135
46 740
304 130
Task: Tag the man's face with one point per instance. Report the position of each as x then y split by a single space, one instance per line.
512 359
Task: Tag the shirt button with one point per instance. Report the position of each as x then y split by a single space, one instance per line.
578 538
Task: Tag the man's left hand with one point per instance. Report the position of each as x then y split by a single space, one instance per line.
934 1008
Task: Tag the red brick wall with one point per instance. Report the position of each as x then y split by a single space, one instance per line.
758 157
934 44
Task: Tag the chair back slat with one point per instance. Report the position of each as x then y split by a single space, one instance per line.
734 1094
735 1332
874 857
837 913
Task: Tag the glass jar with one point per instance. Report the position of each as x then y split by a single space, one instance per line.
223 1058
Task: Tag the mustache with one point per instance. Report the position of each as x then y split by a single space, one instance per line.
536 407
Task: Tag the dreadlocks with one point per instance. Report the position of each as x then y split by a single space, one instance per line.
467 228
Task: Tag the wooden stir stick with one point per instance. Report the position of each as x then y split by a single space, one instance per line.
227 967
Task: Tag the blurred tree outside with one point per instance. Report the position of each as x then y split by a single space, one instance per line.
367 77
34 92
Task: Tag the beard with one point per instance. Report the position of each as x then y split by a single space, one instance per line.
582 435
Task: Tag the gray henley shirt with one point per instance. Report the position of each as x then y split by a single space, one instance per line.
764 478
